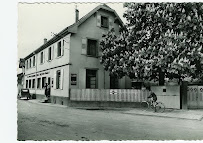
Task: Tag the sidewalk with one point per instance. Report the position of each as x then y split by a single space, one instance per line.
168 113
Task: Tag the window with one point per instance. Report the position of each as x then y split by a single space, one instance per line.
92 47
42 58
30 63
27 64
43 81
39 83
49 53
91 79
30 83
33 61
33 83
58 79
26 83
59 49
113 82
104 22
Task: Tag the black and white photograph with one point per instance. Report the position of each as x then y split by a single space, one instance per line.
113 71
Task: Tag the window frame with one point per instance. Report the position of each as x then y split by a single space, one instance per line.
33 62
103 26
33 83
96 79
41 57
30 62
49 53
44 77
88 49
58 79
30 84
58 49
39 83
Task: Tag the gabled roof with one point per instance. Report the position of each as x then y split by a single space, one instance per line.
73 28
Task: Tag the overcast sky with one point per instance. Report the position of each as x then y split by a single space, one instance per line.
37 21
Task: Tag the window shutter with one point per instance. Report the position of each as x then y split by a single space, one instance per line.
54 82
98 20
62 47
110 23
61 84
84 46
52 52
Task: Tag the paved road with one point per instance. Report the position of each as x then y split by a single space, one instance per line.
42 122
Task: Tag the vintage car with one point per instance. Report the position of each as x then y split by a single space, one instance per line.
25 93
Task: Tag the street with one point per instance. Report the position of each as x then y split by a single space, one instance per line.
43 122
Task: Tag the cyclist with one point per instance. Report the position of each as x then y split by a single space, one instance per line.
153 99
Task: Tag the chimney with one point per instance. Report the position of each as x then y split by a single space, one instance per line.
76 15
45 40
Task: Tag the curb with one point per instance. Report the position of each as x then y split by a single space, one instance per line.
199 119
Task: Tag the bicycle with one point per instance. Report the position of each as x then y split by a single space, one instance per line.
146 105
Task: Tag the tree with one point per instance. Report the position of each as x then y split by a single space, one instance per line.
161 40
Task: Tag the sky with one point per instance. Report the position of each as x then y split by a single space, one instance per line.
37 21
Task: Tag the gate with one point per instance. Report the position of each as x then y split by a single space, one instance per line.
195 97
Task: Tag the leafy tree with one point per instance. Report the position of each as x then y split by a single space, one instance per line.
161 40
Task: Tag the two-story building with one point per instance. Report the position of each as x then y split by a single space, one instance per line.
71 59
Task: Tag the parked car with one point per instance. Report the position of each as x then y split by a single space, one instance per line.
25 93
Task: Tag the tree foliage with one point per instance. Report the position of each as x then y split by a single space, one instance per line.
158 38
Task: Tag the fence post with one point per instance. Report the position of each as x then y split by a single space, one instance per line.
183 95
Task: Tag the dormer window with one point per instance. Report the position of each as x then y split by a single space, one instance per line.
104 22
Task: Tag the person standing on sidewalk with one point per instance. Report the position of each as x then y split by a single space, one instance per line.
47 90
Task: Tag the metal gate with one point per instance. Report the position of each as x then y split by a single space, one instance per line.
195 97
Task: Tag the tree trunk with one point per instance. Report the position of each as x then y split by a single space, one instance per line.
161 77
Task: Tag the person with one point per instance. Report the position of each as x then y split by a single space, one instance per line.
153 99
47 90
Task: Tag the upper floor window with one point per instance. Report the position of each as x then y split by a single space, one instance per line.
41 57
49 54
27 64
30 63
59 49
104 22
92 47
33 61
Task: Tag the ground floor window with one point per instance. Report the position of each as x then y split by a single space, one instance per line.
30 83
91 78
113 82
38 83
26 83
43 81
33 83
58 79
49 81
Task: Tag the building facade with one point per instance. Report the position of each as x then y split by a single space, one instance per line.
71 59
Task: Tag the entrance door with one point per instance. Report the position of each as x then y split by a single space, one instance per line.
200 96
192 97
49 81
195 97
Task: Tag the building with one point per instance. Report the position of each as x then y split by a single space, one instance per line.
71 59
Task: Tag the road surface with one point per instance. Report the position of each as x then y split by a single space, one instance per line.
42 122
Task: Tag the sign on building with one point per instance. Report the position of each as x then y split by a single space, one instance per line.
73 79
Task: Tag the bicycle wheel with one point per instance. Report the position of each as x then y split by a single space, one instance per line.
160 107
144 105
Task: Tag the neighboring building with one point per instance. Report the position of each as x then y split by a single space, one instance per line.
70 60
20 83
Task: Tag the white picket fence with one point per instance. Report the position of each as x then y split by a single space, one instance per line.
116 95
